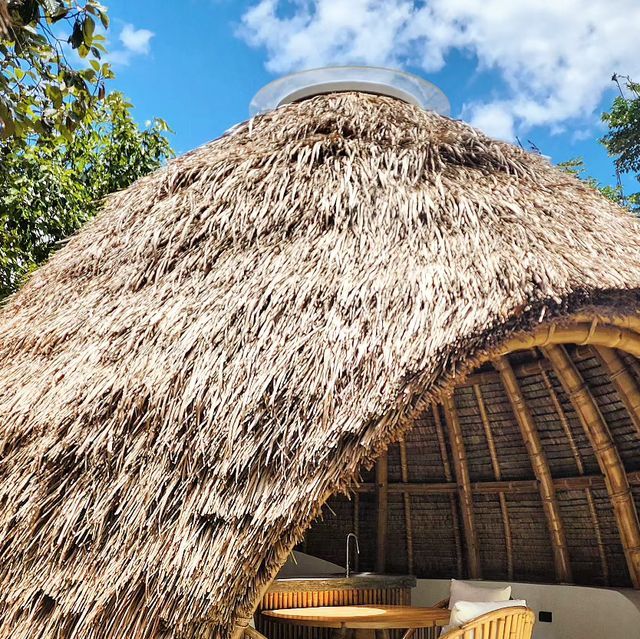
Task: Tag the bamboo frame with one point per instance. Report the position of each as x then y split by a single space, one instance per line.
593 513
464 487
625 385
452 499
493 377
606 453
595 522
404 470
511 486
612 336
540 469
564 422
495 463
382 500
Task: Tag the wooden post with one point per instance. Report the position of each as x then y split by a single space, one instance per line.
606 453
404 469
623 382
464 487
504 510
452 500
382 496
540 469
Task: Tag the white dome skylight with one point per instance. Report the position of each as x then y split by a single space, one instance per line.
391 82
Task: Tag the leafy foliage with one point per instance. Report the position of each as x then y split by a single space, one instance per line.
48 190
577 167
622 141
623 138
64 144
40 90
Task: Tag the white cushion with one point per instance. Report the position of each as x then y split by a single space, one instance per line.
465 591
466 611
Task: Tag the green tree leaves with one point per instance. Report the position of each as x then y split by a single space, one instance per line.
48 190
64 144
623 138
41 93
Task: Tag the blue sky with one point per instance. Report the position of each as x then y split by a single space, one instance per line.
536 69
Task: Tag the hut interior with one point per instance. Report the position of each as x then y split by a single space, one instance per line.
528 473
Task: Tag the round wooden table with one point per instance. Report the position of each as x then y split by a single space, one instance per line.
365 619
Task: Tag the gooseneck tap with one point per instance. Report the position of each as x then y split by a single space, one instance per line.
355 538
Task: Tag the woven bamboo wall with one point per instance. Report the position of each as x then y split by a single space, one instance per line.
575 538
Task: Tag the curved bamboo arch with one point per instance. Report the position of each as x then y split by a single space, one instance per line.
540 468
622 333
603 339
583 333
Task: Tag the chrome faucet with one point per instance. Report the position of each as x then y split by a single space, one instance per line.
348 571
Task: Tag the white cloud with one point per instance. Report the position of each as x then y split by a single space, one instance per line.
495 118
556 57
134 42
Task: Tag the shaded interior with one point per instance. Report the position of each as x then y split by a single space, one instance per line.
409 512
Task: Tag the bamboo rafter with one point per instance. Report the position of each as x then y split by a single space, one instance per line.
606 453
511 486
493 377
540 469
404 470
356 526
382 499
624 383
452 499
464 487
504 510
593 513
611 336
564 422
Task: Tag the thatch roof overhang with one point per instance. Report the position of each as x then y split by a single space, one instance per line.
236 336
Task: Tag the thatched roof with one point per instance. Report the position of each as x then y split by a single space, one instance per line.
186 382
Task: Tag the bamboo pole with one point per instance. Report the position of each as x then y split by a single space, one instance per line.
540 469
595 522
606 453
629 323
495 463
404 469
452 499
533 367
597 335
511 486
564 422
464 487
625 385
593 513
382 498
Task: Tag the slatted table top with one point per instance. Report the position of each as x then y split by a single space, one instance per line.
370 616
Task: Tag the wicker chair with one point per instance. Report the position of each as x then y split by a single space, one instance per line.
506 623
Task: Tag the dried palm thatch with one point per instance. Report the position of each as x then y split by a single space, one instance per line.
189 379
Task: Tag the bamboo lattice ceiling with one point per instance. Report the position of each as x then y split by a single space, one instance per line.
530 471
